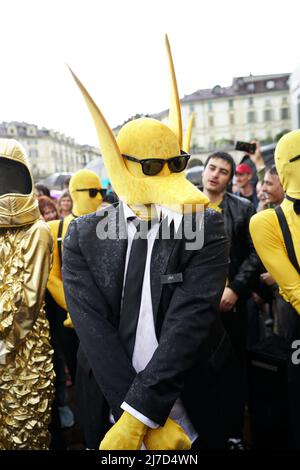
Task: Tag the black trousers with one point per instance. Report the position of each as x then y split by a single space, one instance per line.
235 390
91 408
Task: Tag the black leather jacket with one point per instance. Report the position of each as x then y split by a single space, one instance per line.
244 265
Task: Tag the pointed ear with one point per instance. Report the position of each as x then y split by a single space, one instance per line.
107 142
188 134
175 122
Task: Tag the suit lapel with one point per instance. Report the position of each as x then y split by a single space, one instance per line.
113 253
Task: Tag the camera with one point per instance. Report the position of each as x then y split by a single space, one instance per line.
245 147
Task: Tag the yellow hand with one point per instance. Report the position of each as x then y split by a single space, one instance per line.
68 322
127 434
169 437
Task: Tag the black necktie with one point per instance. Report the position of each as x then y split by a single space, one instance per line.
133 288
296 203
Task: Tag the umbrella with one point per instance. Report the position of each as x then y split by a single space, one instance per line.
56 180
194 175
98 167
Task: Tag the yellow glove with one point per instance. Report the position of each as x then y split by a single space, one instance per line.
68 322
169 437
127 434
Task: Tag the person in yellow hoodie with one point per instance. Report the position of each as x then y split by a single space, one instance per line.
143 281
275 232
26 369
87 196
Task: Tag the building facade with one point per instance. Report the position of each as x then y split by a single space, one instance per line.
295 98
252 108
49 151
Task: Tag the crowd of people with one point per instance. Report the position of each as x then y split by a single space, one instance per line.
146 298
249 302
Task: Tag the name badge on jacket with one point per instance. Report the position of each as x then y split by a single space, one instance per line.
171 278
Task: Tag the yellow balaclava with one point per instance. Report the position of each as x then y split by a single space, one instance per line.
287 160
146 138
80 183
18 203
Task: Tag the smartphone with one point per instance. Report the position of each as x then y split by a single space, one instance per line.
245 147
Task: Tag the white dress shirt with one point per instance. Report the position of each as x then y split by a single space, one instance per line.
145 340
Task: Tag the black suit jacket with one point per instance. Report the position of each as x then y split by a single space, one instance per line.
188 326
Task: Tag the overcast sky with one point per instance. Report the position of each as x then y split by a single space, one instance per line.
116 47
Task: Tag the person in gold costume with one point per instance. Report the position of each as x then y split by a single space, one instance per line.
267 234
26 370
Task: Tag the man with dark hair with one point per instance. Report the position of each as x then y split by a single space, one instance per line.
244 265
272 187
223 156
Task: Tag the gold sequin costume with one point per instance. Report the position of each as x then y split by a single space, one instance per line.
26 370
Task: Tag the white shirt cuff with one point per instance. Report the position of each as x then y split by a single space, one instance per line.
148 422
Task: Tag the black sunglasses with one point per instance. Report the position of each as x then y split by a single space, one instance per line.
152 166
94 191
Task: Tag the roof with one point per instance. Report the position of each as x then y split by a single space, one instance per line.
239 87
22 131
242 86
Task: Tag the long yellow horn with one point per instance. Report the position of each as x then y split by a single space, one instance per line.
109 148
188 134
175 122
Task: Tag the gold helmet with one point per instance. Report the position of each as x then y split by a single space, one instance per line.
18 203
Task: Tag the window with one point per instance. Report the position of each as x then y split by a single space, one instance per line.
12 131
217 90
284 113
251 87
251 117
33 153
268 115
31 131
230 103
191 108
270 84
211 121
231 119
209 106
250 101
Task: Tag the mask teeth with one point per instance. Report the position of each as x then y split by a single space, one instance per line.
158 211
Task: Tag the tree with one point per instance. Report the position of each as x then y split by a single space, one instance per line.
278 136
